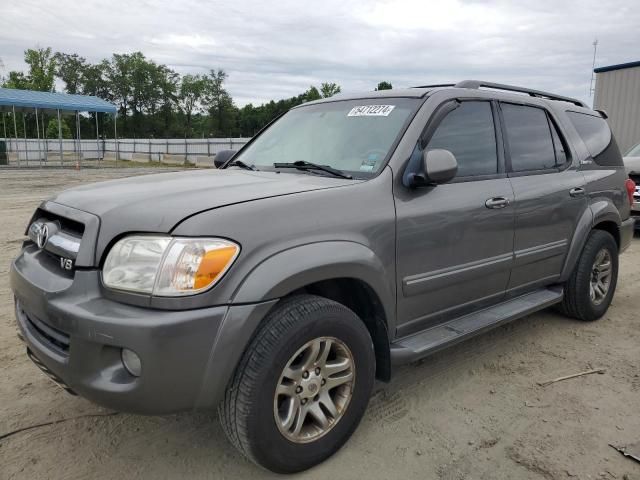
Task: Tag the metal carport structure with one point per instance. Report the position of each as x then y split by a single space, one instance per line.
25 101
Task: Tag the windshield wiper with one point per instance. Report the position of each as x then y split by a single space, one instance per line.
241 164
304 165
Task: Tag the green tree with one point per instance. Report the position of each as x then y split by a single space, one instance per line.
52 129
193 89
329 89
312 94
222 112
384 86
17 80
118 77
93 81
70 69
42 69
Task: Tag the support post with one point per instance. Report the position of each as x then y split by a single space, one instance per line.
115 135
79 140
39 146
24 131
60 135
46 142
4 124
97 139
15 132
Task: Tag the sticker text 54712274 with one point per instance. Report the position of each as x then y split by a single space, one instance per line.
371 111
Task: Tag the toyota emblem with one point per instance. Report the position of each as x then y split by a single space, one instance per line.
42 236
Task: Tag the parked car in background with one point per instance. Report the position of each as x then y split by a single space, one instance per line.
632 165
353 234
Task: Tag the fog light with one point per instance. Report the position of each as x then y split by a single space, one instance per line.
131 362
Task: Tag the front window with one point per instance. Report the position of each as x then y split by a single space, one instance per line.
354 136
469 134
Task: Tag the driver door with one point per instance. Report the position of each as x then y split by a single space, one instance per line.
455 240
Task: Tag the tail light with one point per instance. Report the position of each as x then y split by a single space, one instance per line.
631 188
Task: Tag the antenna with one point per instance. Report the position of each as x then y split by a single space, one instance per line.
593 67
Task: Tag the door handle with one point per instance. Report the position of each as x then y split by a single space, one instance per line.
577 192
496 202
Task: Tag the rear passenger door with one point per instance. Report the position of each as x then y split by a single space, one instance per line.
549 194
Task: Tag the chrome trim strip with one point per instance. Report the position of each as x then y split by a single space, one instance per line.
415 284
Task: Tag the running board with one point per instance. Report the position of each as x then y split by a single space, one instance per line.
422 344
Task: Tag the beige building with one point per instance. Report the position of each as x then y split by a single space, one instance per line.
618 93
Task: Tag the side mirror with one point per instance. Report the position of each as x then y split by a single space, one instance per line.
223 157
438 166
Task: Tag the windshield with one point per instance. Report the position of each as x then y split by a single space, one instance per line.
634 152
353 136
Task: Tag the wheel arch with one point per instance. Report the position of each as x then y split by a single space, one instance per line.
346 272
602 215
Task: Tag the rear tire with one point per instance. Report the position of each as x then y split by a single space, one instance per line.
590 289
299 350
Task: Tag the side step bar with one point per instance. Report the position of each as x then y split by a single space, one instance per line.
427 342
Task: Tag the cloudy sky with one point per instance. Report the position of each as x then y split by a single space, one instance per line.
273 50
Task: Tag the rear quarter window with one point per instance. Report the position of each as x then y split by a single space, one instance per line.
597 136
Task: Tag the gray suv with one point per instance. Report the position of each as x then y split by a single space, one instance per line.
352 234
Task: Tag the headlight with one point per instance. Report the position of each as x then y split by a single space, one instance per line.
167 266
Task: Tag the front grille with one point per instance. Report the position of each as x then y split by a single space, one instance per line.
58 237
53 338
67 225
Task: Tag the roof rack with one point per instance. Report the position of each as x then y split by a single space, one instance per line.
476 84
436 85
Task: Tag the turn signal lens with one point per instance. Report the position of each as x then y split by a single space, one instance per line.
212 265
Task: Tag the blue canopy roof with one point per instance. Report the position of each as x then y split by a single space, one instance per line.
23 99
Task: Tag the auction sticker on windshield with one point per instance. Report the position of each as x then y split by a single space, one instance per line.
371 111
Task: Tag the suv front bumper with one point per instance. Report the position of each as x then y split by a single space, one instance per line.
76 336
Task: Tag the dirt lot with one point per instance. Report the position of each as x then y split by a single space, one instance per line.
471 412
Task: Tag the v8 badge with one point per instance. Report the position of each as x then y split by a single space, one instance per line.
66 263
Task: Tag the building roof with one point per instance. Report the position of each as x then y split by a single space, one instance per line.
619 66
23 99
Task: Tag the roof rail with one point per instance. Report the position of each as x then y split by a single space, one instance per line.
436 85
476 84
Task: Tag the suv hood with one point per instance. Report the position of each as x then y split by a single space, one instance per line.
158 202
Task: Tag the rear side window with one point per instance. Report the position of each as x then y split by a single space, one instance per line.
469 133
596 135
529 137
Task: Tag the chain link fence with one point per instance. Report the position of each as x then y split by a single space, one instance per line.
107 153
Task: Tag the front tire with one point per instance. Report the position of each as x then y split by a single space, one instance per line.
302 385
590 289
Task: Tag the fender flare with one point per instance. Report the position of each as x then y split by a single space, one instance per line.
294 268
602 210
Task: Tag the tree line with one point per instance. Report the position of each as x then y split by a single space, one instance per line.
153 100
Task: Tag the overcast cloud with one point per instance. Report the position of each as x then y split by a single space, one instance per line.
273 50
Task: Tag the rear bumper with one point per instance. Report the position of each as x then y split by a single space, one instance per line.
626 233
76 336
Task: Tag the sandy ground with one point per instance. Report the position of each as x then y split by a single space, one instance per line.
472 412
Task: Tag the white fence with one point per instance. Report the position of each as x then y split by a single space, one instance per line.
47 151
